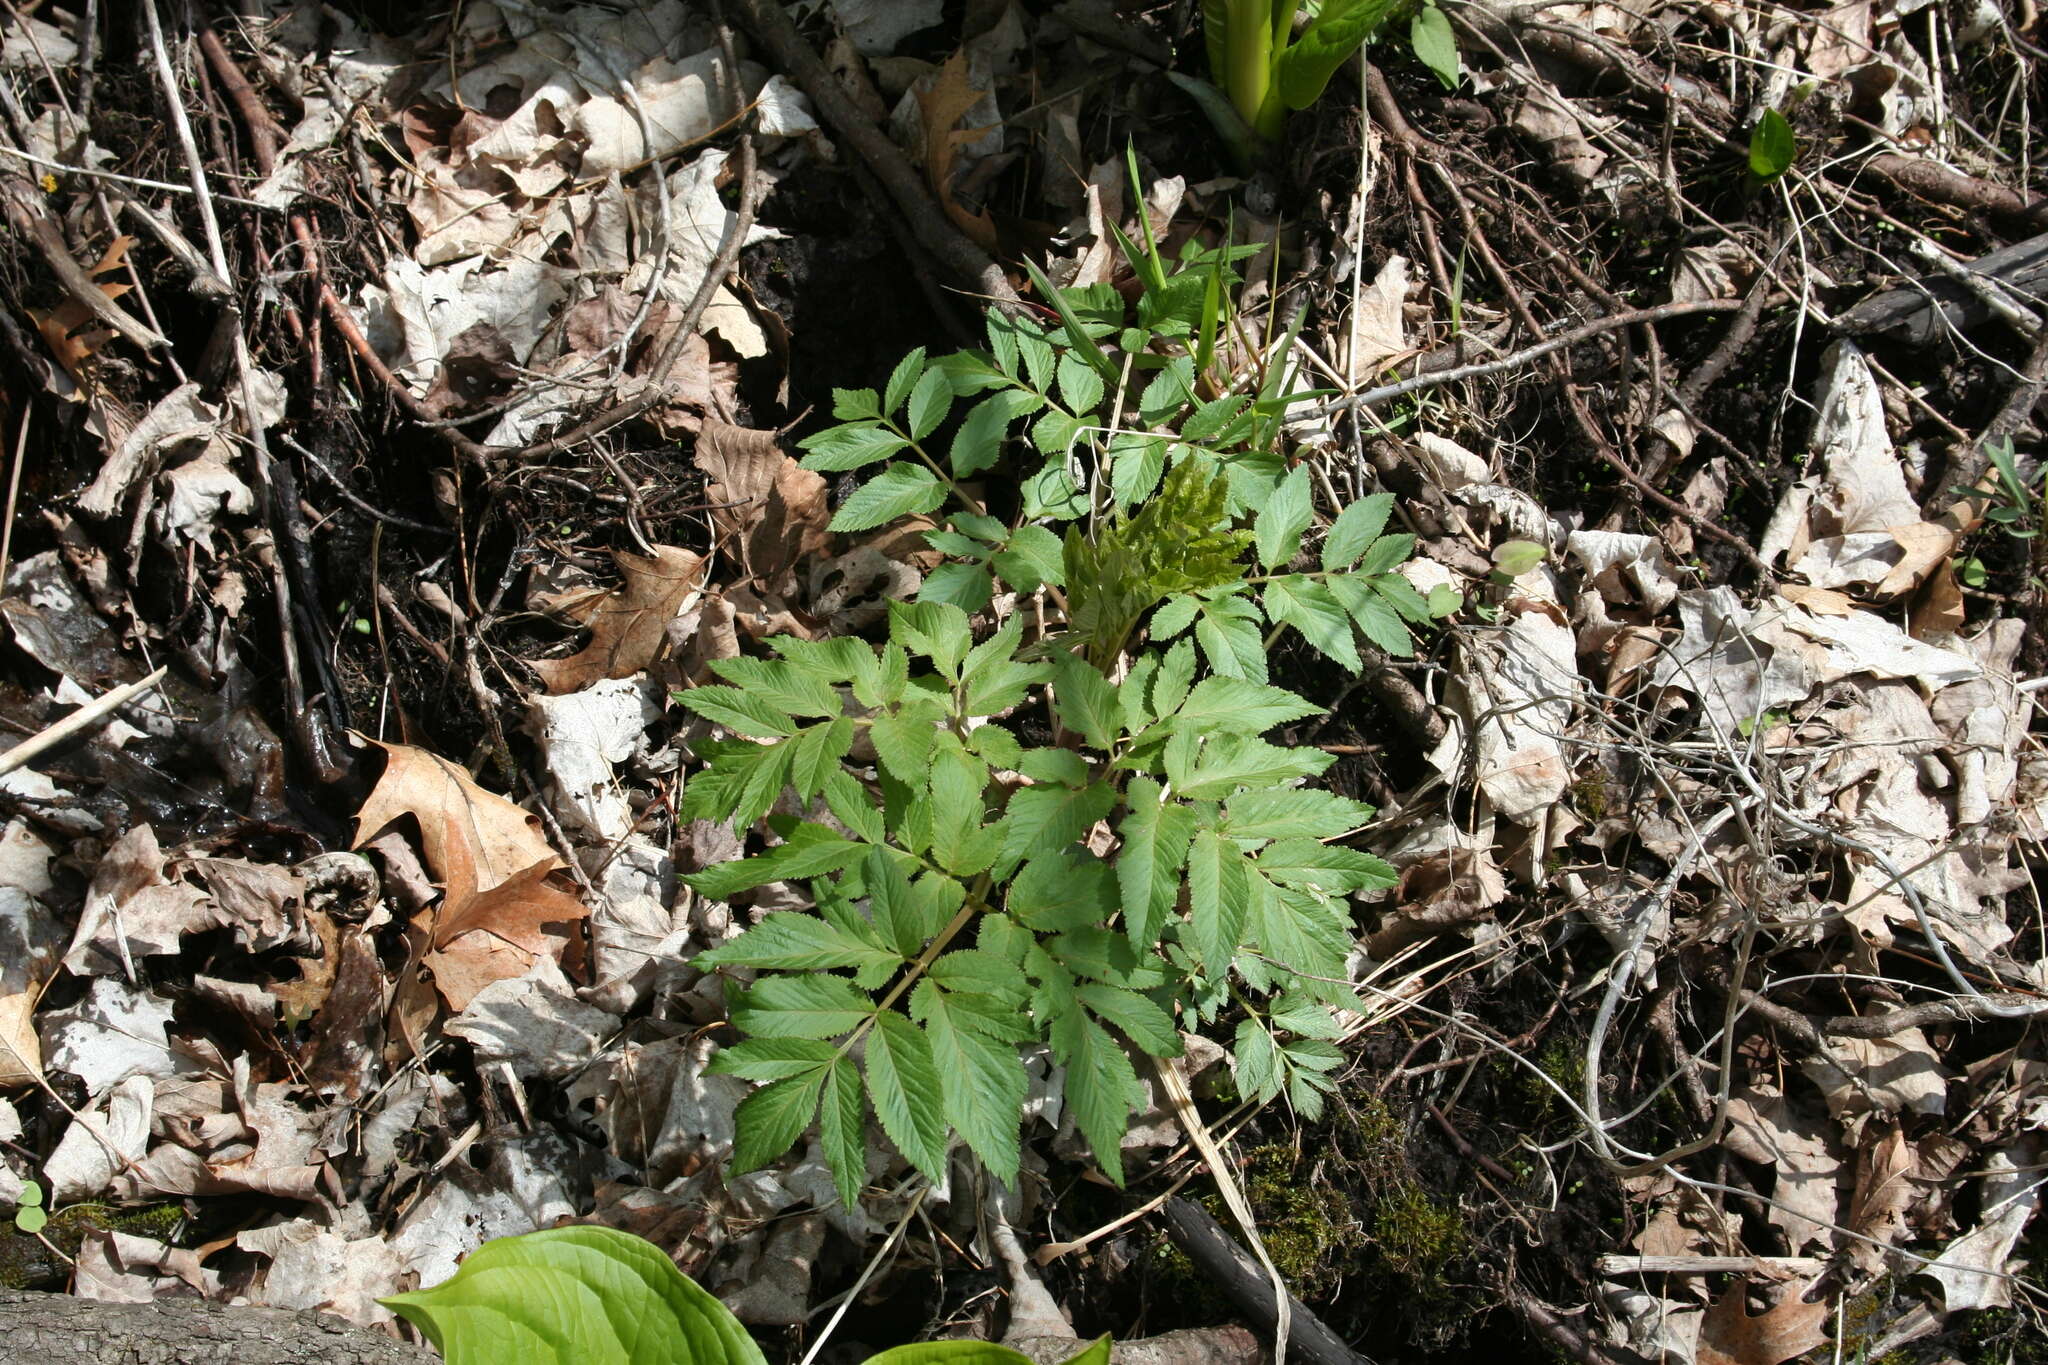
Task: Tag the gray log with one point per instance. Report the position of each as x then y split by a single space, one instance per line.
58 1329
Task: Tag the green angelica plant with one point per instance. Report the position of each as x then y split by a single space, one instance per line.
1266 69
598 1296
1003 872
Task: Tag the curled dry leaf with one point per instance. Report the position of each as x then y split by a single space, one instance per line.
1730 1335
627 623
769 510
943 105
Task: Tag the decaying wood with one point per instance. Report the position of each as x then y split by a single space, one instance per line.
1214 1252
61 1328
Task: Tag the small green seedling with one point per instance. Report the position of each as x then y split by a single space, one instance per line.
1513 558
598 1296
1772 148
31 1217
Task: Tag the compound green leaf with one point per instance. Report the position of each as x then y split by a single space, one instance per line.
929 403
902 380
1031 558
1228 762
772 1059
810 851
1325 867
815 755
1246 707
901 490
1043 819
1086 701
780 684
1277 812
575 1296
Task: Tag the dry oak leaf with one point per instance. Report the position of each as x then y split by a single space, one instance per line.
465 831
64 327
1729 1335
627 623
943 105
769 510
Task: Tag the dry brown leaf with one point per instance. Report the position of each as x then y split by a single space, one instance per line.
627 623
1729 1335
1884 1192
61 326
949 97
1926 547
465 831
1938 611
1819 601
770 511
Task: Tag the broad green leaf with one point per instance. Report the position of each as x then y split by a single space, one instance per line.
837 660
1155 836
1043 819
1245 707
901 490
810 851
1218 900
1176 671
1149 1026
1032 557
1061 766
902 380
1107 957
979 972
1356 527
576 1296
1086 701
1772 148
1080 383
1277 531
996 745
904 1083
814 1006
1340 28
981 1081
796 942
1434 44
1311 608
1101 1086
958 780
888 888
772 1059
840 1131
769 1121
1055 432
737 711
850 447
1387 554
1175 615
1277 812
929 403
1136 465
1052 493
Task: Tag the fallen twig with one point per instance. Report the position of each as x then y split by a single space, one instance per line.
1203 1241
85 718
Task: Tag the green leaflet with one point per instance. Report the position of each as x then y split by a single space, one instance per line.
981 1082
904 1082
1102 1087
800 943
1155 837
